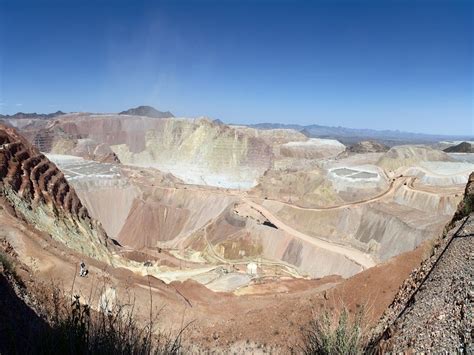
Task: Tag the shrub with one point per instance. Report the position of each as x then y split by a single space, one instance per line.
334 334
468 205
76 329
465 208
6 263
9 266
73 327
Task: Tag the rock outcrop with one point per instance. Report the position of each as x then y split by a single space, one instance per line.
36 190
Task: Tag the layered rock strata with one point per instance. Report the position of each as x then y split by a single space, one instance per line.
37 191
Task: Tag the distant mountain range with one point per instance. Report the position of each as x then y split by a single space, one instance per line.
354 135
34 115
147 111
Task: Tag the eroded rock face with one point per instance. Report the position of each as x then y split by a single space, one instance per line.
38 192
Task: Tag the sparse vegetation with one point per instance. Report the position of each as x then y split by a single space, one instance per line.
73 327
468 205
8 266
6 262
331 333
465 208
76 329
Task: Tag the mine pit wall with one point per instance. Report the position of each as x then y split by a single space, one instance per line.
425 201
167 216
275 246
308 259
38 192
110 205
384 229
148 141
387 235
203 206
229 155
141 221
151 224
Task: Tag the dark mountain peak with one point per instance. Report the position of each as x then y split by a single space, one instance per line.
463 147
147 111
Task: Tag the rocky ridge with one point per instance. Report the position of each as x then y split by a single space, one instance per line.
33 188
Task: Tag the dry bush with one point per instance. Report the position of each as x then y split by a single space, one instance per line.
334 333
468 205
8 266
6 263
75 328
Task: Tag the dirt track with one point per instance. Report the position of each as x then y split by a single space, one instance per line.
393 185
357 256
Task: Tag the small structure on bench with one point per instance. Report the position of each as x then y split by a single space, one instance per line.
252 268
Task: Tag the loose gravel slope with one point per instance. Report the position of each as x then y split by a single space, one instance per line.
440 317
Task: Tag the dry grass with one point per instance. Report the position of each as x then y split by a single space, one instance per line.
334 333
73 327
8 266
76 329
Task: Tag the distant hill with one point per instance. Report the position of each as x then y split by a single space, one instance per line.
147 111
463 147
34 115
411 155
350 136
368 147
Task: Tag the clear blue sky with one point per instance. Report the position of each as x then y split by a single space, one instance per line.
378 64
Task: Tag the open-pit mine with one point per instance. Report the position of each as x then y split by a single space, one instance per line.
243 231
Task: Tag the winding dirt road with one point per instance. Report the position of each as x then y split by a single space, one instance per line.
364 260
357 256
394 184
